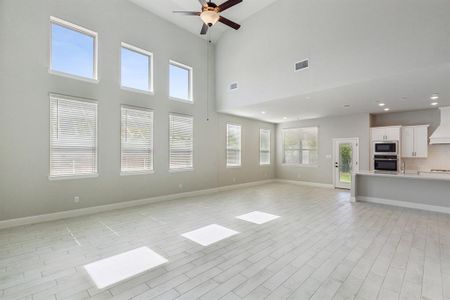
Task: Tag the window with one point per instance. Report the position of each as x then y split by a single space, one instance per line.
136 140
300 146
181 144
180 81
233 145
73 49
264 146
136 68
73 137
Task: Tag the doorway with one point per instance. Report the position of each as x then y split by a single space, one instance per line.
346 161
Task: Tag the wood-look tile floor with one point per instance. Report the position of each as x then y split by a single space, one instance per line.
323 246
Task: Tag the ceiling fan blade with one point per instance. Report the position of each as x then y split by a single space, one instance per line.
228 4
204 29
229 23
187 13
203 2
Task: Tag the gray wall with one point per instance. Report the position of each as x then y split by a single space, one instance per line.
329 128
24 109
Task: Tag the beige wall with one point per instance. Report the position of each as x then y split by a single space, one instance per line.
24 109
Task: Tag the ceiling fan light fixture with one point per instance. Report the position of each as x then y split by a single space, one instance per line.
209 17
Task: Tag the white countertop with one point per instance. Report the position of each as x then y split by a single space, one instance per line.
408 174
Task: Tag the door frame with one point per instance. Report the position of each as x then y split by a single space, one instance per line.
335 141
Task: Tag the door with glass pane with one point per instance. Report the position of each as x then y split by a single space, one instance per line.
346 156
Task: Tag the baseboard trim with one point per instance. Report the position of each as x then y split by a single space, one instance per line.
427 207
306 183
108 207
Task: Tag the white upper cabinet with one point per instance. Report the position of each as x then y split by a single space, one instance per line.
415 141
388 133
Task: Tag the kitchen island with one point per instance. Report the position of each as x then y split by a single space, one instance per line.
425 191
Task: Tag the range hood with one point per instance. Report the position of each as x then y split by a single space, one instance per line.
442 134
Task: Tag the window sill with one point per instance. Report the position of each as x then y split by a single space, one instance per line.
55 178
133 90
265 165
181 170
135 173
67 75
234 167
299 165
188 101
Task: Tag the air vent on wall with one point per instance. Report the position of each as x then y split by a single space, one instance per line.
301 65
233 86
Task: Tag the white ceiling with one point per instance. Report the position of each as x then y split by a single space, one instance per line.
360 51
165 8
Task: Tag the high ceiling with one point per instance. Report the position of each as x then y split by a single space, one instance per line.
361 52
165 8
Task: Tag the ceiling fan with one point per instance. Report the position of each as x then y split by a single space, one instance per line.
210 14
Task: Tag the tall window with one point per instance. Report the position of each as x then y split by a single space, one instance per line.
233 145
300 146
73 137
136 140
181 145
180 81
73 49
136 68
264 146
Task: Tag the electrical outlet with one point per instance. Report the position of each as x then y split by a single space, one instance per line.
76 199
299 175
234 179
180 186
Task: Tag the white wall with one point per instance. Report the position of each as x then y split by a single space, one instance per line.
24 109
329 129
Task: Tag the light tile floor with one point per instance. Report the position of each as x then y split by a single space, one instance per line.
322 247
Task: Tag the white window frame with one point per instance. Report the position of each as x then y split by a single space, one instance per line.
69 177
190 100
143 172
150 69
188 169
74 27
316 165
261 130
240 146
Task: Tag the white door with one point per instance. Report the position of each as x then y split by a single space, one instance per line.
408 141
421 141
346 161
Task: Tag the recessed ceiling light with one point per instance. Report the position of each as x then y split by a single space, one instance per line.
284 118
434 97
263 112
434 103
386 109
308 97
381 104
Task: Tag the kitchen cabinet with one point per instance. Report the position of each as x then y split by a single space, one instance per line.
415 141
388 133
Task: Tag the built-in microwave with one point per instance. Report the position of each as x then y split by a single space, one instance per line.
385 148
386 163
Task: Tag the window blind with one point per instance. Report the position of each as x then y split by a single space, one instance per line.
136 139
181 146
73 137
233 145
300 146
264 147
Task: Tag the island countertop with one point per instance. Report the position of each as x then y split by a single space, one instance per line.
420 190
408 174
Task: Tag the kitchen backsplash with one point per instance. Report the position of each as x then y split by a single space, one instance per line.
438 158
